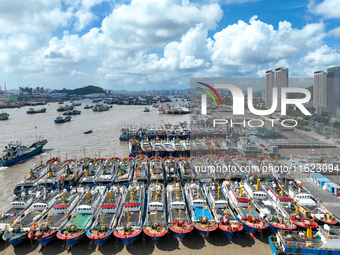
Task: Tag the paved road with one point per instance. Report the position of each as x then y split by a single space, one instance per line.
331 202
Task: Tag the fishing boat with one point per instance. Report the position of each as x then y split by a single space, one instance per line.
4 116
228 224
73 172
309 206
32 111
74 112
93 168
179 220
179 150
60 119
141 169
201 215
35 174
171 169
15 152
168 147
51 179
65 108
158 147
186 171
88 106
267 208
20 204
242 208
56 218
109 172
107 216
18 232
125 170
155 225
146 147
146 109
130 223
324 240
84 215
279 194
156 169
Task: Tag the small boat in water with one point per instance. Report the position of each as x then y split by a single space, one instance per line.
146 109
15 152
60 119
130 223
201 214
32 111
88 132
83 217
179 219
107 216
4 116
155 225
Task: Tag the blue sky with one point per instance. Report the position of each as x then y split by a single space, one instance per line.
157 44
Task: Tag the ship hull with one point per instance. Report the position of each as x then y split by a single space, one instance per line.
99 240
25 156
45 238
228 231
15 241
71 240
206 231
274 229
155 237
128 239
180 233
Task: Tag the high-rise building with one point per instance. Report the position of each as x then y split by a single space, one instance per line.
320 89
269 88
333 88
326 91
281 81
278 79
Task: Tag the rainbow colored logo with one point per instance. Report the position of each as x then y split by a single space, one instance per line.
209 93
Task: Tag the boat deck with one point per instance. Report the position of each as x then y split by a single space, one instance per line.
199 212
82 220
133 219
151 218
28 219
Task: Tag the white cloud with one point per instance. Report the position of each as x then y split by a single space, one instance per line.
259 43
328 9
335 32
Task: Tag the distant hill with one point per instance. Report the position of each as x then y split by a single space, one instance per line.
84 91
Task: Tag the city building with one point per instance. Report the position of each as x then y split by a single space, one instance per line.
279 79
326 91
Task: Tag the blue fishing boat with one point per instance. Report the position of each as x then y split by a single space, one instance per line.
201 214
15 152
107 217
83 217
130 223
55 219
323 241
60 119
32 111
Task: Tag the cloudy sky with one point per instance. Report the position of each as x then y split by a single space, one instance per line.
156 44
